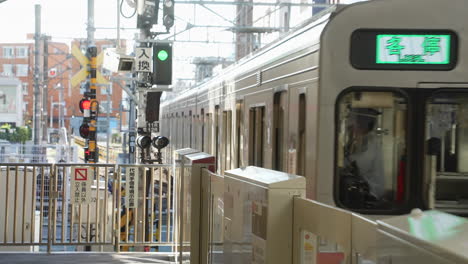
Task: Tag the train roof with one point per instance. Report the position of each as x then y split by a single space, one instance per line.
256 59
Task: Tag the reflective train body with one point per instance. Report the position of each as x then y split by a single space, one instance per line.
369 102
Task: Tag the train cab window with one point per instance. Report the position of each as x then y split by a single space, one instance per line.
371 151
256 130
446 155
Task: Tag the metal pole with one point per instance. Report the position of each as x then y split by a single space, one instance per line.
37 93
51 121
108 122
131 128
61 104
118 25
90 29
45 85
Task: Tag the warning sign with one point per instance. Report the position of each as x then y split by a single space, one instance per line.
309 247
131 187
80 185
81 174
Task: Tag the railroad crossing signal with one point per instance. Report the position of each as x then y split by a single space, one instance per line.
168 13
83 73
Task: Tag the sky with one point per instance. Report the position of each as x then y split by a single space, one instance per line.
61 19
65 20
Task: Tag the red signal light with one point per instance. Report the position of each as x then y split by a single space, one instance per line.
85 104
84 131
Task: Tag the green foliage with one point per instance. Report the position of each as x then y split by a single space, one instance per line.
19 135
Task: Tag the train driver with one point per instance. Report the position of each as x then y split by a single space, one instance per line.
365 149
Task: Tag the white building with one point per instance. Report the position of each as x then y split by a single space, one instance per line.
11 102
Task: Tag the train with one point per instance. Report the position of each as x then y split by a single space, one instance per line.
367 101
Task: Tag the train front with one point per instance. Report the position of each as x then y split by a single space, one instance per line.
393 77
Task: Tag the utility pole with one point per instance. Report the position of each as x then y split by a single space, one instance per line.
92 54
45 86
37 93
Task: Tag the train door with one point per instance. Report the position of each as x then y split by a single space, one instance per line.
209 133
280 130
216 132
190 128
202 130
226 143
182 138
239 141
256 135
297 144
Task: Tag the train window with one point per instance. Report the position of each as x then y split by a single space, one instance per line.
447 151
279 105
202 120
256 130
239 131
371 150
301 160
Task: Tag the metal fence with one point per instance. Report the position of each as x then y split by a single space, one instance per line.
36 206
24 204
148 221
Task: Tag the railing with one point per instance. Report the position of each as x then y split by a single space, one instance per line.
37 209
83 224
151 216
24 204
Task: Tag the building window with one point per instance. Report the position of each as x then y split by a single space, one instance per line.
25 88
7 69
105 107
22 70
21 52
8 52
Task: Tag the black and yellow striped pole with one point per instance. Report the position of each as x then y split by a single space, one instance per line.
92 153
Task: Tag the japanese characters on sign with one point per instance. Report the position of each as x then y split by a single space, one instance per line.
413 49
143 60
80 185
131 187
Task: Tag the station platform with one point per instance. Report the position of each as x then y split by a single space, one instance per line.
83 257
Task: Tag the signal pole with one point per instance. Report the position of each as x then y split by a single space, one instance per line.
37 93
89 127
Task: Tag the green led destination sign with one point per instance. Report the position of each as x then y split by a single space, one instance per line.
413 49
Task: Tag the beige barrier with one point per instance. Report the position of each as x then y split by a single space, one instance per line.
24 204
322 233
40 206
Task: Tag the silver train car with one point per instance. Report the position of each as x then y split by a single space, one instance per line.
369 102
